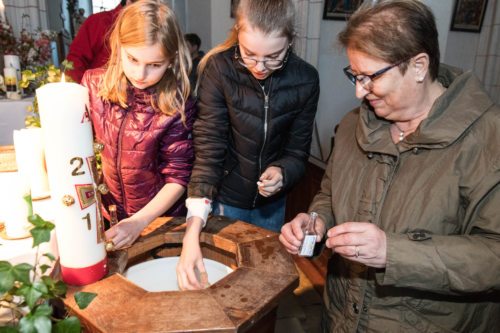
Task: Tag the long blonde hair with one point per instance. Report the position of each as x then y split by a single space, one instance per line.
267 16
148 22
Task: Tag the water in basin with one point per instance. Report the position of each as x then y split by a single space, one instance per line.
160 274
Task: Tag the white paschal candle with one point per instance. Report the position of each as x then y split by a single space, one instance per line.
69 156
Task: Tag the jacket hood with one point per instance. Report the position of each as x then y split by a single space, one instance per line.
452 113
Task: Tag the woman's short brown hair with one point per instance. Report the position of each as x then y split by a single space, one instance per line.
394 31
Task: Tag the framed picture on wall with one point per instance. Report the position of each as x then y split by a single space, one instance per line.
468 15
340 9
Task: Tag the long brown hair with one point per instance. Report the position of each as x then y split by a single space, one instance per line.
267 16
148 22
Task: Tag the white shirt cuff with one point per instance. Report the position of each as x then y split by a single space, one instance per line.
199 207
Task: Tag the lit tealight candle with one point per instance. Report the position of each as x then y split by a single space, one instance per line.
69 154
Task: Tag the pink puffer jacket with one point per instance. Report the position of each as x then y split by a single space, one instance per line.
143 149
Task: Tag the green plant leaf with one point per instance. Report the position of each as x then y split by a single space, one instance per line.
43 310
7 277
59 289
22 272
37 321
27 325
40 235
8 330
34 293
40 286
83 299
23 289
41 231
68 325
36 220
42 324
49 282
50 256
44 268
56 288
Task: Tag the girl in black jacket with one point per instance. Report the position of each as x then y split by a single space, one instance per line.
257 101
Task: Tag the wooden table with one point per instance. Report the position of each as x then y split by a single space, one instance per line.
243 301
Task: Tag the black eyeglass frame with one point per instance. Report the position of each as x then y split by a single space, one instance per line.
241 60
362 77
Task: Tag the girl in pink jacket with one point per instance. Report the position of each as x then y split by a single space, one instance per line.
142 115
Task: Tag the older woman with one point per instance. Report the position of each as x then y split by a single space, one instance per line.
410 201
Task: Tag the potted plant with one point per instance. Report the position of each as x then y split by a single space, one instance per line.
29 292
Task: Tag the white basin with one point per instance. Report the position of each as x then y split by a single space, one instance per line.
160 274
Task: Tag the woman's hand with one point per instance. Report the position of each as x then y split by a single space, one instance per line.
363 242
270 182
190 265
125 232
292 232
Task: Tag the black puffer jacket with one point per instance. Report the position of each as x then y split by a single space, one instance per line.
236 140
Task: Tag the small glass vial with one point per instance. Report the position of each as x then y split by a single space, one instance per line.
307 247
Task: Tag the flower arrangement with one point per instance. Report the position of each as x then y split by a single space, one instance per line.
34 48
8 42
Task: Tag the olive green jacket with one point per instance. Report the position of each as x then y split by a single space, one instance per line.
437 197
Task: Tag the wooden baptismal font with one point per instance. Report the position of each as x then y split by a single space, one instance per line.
243 301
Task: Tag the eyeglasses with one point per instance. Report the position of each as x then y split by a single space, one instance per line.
365 80
270 64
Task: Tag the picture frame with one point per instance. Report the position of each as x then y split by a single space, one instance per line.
468 15
340 9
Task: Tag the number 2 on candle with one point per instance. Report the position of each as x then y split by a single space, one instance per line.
76 170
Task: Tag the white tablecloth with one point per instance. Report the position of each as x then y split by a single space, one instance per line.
12 114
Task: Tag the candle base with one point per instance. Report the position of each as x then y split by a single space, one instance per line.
82 276
13 236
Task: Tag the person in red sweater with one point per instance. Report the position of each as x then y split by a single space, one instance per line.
90 48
